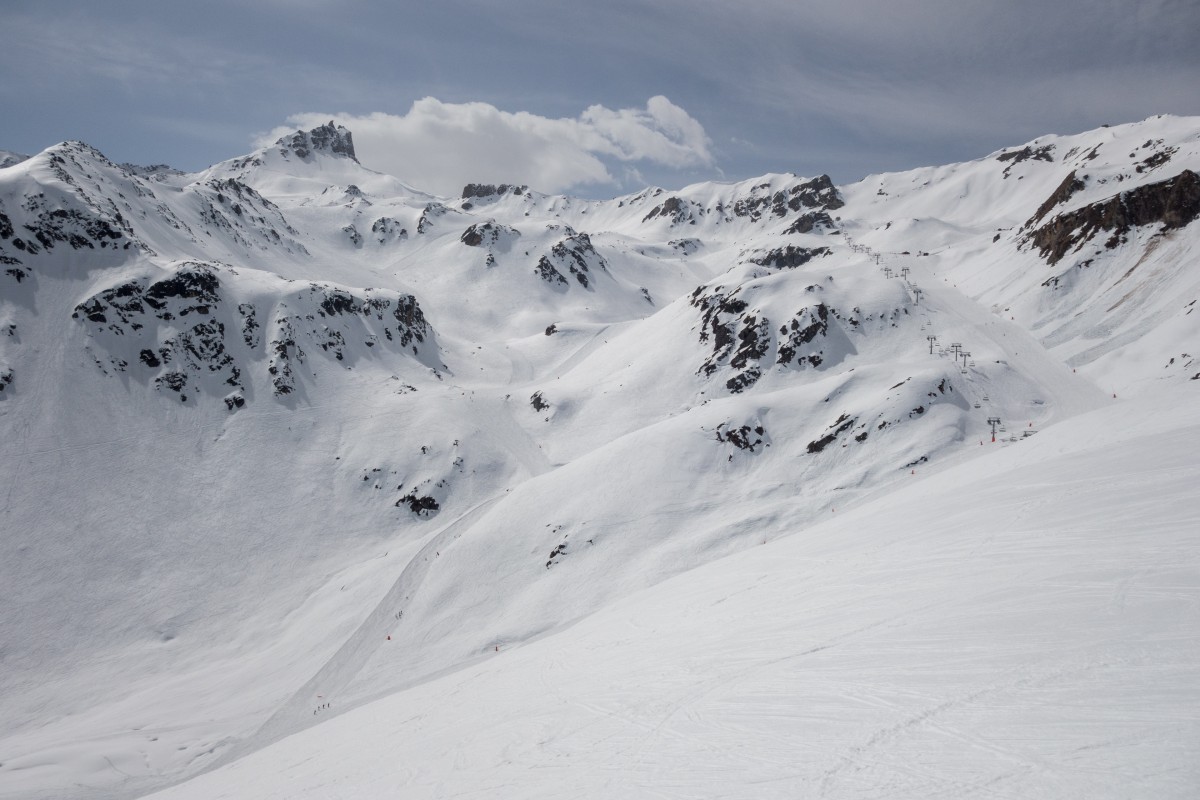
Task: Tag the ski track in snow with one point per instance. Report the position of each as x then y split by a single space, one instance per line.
294 715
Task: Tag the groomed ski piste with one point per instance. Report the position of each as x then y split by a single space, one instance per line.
316 485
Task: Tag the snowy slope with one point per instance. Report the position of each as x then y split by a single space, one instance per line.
289 432
1026 628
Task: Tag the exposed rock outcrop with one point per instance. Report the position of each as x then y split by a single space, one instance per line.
789 256
573 255
327 138
1173 203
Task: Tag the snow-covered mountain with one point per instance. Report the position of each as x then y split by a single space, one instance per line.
287 436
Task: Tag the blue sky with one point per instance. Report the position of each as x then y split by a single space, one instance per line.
594 99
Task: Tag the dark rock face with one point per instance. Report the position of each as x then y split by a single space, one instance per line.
546 271
486 190
1062 194
422 506
804 328
573 255
716 308
674 209
685 247
177 327
472 236
1156 159
76 228
744 438
487 234
743 340
386 229
403 326
329 138
432 213
842 424
789 256
1173 203
190 302
537 402
819 221
818 193
558 551
739 339
1027 153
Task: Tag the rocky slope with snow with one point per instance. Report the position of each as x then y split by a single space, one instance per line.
289 433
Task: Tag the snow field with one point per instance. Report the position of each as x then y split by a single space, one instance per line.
1029 630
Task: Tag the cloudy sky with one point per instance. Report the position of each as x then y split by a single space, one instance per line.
592 99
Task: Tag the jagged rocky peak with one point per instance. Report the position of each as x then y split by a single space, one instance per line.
327 138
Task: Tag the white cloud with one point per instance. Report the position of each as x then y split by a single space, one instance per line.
440 147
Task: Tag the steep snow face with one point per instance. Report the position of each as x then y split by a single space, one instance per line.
288 432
